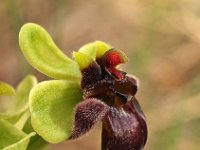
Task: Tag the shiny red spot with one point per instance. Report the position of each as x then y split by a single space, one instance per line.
111 59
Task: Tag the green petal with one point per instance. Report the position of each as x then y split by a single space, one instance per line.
95 49
6 89
102 48
51 105
43 54
12 138
89 49
82 59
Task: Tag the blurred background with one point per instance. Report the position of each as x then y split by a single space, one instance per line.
161 38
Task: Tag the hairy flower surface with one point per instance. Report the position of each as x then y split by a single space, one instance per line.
109 95
82 92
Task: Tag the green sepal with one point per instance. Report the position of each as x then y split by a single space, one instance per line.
52 105
42 53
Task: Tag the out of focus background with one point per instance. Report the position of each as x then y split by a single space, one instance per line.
161 38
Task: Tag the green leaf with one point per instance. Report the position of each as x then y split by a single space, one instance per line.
6 89
82 59
12 138
43 54
51 105
95 49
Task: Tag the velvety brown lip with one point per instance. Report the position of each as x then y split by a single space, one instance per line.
124 128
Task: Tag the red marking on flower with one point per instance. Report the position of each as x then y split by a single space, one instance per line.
111 59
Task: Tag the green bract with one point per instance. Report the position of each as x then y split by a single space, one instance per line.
52 102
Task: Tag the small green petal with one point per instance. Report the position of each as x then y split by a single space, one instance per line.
95 49
6 89
89 49
102 48
12 138
51 105
82 59
42 53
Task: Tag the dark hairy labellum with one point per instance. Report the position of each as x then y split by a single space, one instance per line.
124 128
109 96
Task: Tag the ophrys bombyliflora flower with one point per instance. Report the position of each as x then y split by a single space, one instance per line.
91 84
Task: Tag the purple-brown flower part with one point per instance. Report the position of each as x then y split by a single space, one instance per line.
88 112
91 74
124 128
109 95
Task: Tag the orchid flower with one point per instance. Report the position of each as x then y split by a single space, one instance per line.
83 91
